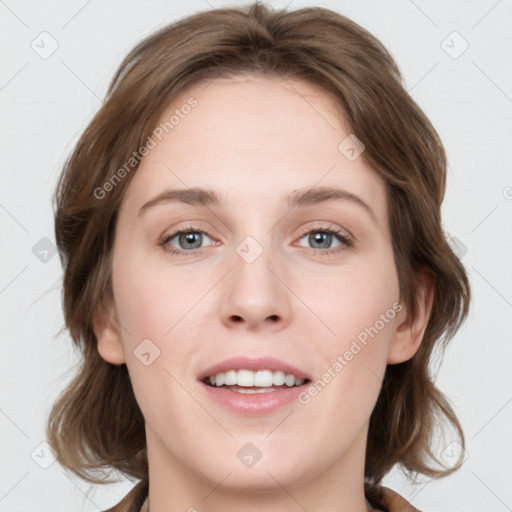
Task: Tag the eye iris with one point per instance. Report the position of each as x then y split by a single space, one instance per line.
318 236
188 238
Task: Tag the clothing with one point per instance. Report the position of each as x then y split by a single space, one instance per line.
137 500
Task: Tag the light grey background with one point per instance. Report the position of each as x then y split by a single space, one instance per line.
47 102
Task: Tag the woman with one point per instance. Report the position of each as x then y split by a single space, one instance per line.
256 272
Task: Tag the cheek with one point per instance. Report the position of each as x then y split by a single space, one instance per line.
150 302
358 310
160 315
360 307
347 300
155 317
354 360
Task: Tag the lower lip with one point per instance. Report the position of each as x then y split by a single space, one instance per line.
254 404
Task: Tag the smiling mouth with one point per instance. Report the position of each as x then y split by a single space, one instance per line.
254 392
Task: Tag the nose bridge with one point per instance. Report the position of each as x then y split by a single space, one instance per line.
255 295
253 259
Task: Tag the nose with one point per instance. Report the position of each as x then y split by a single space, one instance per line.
256 296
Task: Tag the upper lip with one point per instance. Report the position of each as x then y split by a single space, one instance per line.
253 364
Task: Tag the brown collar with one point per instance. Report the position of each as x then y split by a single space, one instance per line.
395 502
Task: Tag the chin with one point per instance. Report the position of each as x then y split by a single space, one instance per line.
255 466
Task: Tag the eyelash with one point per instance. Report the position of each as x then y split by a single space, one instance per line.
346 243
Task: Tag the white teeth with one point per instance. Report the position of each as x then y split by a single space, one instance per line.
264 379
245 378
279 378
289 380
230 378
249 379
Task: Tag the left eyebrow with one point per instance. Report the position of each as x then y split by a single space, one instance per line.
298 198
319 195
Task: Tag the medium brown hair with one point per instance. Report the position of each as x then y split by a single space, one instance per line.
96 422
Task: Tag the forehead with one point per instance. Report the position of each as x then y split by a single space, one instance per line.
253 139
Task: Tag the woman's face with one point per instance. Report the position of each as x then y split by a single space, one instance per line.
276 275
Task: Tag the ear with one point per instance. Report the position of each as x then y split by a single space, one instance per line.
409 333
106 329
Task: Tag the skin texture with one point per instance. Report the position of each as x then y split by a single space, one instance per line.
254 140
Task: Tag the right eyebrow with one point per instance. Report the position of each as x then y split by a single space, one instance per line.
193 196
